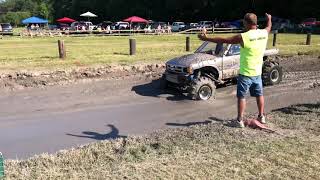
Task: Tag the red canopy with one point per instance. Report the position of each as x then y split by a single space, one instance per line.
66 20
135 19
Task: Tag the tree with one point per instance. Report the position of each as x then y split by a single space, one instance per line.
15 18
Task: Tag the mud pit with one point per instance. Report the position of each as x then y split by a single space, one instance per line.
131 103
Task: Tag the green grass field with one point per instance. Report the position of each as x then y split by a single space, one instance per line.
42 53
213 151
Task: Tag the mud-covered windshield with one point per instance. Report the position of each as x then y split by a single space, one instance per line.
210 48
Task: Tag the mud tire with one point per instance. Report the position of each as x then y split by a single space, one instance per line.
203 89
272 73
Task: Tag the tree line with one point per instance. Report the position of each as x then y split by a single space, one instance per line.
14 11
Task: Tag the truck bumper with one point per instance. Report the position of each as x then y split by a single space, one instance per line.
177 78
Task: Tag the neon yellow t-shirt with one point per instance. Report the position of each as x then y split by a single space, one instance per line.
251 58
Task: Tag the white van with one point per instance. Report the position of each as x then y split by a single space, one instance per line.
178 26
122 25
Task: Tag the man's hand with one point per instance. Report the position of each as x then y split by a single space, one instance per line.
269 22
202 37
269 17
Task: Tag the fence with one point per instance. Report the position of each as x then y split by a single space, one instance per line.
211 30
133 45
52 33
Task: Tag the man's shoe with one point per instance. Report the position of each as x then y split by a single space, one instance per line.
262 119
239 124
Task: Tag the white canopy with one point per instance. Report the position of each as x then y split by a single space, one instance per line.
88 14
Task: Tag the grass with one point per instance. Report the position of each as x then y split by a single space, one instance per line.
213 151
42 53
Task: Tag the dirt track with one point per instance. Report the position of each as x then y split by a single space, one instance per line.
51 118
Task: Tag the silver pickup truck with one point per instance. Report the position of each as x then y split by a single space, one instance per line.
212 64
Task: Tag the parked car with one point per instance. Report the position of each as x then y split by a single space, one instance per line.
310 25
178 26
155 25
6 29
213 64
193 26
105 24
82 25
310 22
206 24
281 25
61 26
122 25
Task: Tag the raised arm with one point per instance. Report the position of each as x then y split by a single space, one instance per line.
269 23
237 39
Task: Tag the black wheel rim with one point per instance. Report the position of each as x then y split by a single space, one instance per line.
205 92
274 75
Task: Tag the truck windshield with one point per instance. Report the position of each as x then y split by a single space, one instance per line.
6 26
210 48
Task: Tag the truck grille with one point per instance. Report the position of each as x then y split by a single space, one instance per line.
177 69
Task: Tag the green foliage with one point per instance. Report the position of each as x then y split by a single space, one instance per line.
186 10
17 10
14 18
43 10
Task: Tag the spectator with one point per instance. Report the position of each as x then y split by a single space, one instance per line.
159 29
108 29
169 29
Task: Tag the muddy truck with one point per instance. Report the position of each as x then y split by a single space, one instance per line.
212 65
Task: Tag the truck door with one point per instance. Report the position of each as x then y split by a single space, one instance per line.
231 62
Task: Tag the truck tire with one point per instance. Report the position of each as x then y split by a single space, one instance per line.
203 89
271 73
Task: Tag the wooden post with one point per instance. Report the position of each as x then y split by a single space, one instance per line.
275 38
132 43
188 44
62 49
308 39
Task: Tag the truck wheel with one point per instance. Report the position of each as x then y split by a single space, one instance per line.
203 89
272 73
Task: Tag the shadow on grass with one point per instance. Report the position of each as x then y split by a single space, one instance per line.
121 54
114 134
300 109
153 89
227 123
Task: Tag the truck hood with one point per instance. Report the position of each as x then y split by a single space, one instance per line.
188 60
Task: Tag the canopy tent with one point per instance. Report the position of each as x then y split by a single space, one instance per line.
135 19
88 14
34 20
66 20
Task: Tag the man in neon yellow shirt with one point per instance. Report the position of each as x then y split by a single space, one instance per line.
253 45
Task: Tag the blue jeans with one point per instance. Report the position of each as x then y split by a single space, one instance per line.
252 84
